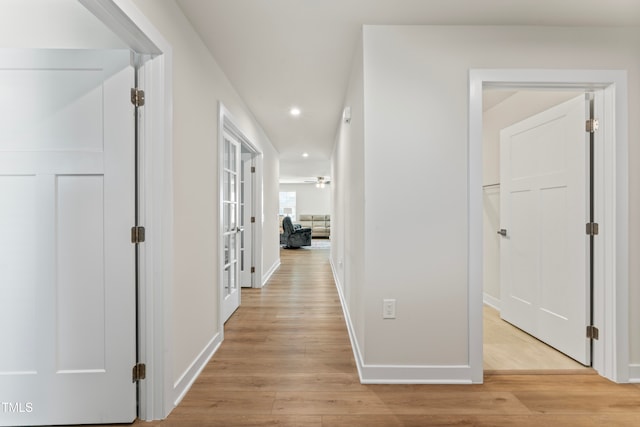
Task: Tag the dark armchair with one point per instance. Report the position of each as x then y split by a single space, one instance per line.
294 237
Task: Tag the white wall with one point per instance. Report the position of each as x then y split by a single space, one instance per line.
198 85
415 162
347 223
309 199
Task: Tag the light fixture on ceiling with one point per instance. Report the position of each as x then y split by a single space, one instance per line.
305 155
320 182
295 111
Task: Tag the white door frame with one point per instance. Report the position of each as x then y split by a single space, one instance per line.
611 263
157 391
226 123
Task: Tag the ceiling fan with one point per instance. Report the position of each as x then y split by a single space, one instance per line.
320 181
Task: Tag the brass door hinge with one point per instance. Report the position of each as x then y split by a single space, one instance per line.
592 229
253 169
137 97
592 125
139 372
592 332
253 269
137 234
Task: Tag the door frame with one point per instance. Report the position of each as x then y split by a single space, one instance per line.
157 393
611 257
227 123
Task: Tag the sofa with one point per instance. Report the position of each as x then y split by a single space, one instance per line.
320 225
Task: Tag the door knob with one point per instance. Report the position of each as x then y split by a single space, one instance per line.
502 232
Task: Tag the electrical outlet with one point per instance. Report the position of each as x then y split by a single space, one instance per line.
389 309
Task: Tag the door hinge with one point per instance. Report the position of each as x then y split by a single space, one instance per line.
253 269
139 372
592 229
137 234
592 332
137 97
253 169
253 219
592 125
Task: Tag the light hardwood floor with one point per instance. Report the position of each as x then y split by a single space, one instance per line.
287 361
507 348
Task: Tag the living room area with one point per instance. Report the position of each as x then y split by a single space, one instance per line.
305 213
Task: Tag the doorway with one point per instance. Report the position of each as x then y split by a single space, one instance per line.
610 352
526 326
239 179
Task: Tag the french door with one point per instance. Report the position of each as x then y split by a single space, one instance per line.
231 222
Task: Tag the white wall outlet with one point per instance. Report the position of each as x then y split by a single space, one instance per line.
389 309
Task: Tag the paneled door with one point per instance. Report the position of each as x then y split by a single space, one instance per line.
246 227
544 207
67 305
231 225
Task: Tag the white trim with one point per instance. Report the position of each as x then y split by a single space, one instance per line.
156 200
404 374
611 352
188 377
634 373
267 275
357 354
491 301
129 24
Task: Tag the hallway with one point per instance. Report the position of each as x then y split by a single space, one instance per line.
286 361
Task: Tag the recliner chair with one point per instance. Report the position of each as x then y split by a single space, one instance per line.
294 237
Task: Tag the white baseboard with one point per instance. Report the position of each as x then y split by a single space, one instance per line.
269 273
182 386
634 373
491 301
352 336
421 374
398 374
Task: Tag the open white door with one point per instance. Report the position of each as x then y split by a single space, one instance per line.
231 225
246 226
67 311
544 251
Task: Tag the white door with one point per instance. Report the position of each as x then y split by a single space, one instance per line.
544 256
67 305
246 225
231 225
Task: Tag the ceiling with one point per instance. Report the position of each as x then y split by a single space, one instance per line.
284 53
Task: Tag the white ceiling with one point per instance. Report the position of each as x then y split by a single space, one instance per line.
284 53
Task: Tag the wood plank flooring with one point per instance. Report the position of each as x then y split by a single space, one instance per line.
508 348
286 361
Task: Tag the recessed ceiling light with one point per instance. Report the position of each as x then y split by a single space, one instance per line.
305 154
295 111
